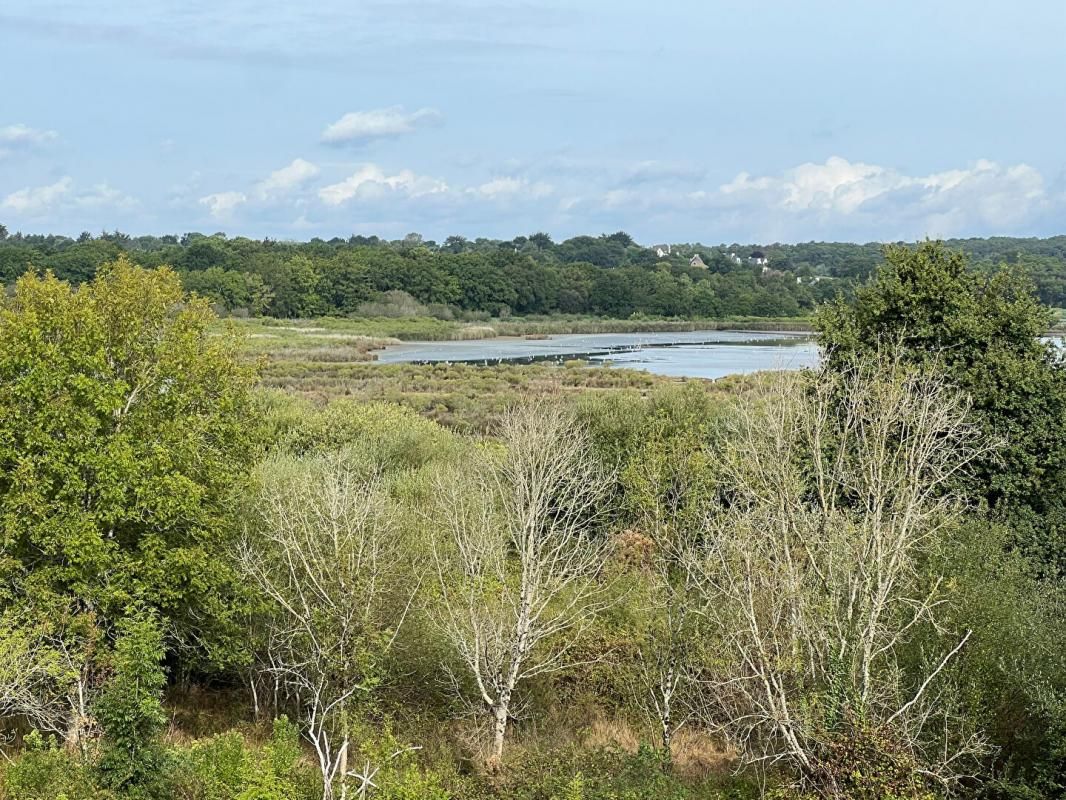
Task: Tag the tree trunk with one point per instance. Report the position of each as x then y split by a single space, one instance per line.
499 729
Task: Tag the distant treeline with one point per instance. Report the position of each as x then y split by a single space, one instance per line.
609 275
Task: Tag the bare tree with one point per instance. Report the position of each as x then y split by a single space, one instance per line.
325 554
521 558
667 673
30 676
48 676
808 570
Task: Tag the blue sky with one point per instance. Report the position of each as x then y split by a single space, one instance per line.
684 121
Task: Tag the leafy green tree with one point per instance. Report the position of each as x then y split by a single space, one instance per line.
983 331
130 710
204 254
123 430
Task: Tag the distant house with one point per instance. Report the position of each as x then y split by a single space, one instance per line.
758 257
662 250
696 261
734 257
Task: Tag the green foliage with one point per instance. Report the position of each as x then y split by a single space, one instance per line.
861 763
115 497
123 430
389 435
130 711
608 774
396 771
983 332
1013 677
661 447
227 767
605 275
45 771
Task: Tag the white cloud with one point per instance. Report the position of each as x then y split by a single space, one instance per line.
360 127
104 196
222 204
837 185
277 185
846 187
38 201
837 199
886 203
34 201
371 181
25 136
22 138
509 187
282 181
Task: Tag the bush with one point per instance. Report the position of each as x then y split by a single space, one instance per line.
226 767
389 436
610 774
47 772
130 711
393 767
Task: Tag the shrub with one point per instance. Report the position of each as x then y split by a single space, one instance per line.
388 435
47 772
130 711
606 774
214 769
227 767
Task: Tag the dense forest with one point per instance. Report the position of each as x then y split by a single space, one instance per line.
841 584
609 275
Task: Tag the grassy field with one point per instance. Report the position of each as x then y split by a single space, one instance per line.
464 397
1059 325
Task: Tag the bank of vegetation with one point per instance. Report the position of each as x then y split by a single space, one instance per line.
473 281
836 584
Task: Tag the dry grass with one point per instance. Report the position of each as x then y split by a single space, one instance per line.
695 754
605 732
464 397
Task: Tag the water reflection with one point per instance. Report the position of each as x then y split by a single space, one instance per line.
697 354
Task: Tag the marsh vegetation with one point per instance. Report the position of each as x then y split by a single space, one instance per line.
237 566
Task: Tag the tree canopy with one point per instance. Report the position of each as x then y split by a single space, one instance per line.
984 331
122 432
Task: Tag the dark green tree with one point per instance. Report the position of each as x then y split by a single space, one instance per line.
984 331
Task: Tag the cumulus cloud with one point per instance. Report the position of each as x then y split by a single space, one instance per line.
846 196
38 201
279 185
371 181
34 201
360 127
284 180
103 195
25 136
837 184
22 138
222 204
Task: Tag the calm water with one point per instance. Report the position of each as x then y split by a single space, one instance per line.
696 354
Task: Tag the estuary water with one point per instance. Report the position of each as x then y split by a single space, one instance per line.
695 354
